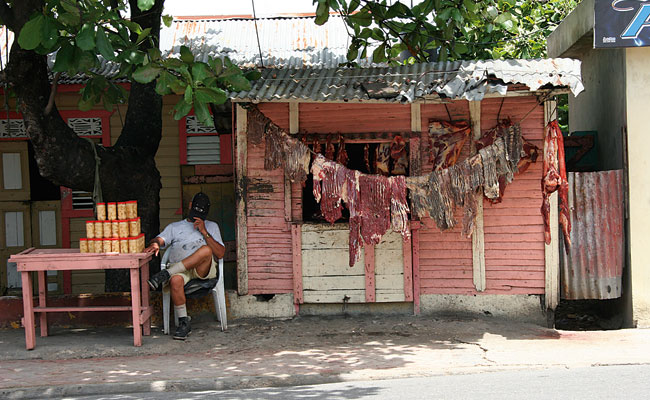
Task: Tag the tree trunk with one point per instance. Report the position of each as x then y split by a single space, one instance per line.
127 169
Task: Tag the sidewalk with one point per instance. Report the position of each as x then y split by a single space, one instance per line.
305 350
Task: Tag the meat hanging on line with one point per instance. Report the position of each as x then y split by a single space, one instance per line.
554 179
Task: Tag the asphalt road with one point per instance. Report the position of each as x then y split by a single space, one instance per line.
594 383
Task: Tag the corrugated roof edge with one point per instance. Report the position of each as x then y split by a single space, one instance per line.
470 80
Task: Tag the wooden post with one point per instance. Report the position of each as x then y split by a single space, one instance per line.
551 251
28 310
42 300
408 269
415 237
293 118
241 193
296 253
369 261
478 235
135 306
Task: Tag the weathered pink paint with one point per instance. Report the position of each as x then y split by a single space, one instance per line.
369 263
415 235
41 260
296 239
408 269
441 263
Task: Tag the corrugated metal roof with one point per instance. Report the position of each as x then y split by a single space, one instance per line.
469 80
295 42
593 268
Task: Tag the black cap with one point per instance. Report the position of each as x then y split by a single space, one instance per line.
200 206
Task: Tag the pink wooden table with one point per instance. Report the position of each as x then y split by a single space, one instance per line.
42 260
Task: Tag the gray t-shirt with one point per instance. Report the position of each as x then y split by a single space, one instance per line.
185 239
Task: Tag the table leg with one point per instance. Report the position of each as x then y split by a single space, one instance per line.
135 306
28 310
42 301
144 276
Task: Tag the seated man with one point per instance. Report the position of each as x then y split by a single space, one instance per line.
195 246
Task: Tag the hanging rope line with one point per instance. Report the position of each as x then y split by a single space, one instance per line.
259 47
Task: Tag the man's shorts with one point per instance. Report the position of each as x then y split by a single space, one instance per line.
188 275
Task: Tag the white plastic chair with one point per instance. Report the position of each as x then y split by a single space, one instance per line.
218 295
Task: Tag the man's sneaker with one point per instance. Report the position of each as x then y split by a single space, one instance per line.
159 279
183 330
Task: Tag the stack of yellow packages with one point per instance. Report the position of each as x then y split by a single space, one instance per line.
116 230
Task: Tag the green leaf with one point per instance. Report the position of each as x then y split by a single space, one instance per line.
502 18
146 73
365 33
361 18
200 71
186 55
456 15
181 109
470 5
253 75
145 5
379 55
322 13
203 114
354 4
71 7
50 34
216 64
188 94
378 34
238 82
163 85
353 53
398 10
85 60
64 58
210 95
445 14
134 57
86 37
133 26
461 48
142 35
167 20
30 36
86 104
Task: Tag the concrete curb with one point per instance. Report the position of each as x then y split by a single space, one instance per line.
182 385
251 382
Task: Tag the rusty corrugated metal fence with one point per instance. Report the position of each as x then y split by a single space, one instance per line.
594 266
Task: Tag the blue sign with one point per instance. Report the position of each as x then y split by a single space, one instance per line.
622 23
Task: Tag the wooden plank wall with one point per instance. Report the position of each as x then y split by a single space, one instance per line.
514 231
269 236
514 243
514 251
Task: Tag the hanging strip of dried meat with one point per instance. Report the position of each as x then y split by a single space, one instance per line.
332 186
420 195
330 150
366 157
342 154
474 171
382 159
256 125
399 155
296 162
490 177
503 165
350 196
317 146
318 175
514 145
441 205
447 141
374 196
457 181
273 153
398 206
469 213
554 178
531 152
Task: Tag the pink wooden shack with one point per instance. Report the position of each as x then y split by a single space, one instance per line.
280 250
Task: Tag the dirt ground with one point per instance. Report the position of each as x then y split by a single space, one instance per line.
249 334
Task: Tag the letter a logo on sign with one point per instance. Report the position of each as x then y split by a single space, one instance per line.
639 22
